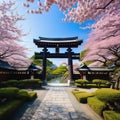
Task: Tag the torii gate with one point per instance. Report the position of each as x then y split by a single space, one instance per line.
70 42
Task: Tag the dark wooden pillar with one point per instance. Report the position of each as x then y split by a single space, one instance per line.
44 65
70 65
57 49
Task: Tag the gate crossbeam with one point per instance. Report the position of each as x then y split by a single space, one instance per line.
57 55
70 42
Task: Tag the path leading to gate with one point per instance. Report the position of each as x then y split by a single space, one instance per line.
59 104
55 106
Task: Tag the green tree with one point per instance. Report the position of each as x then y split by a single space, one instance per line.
60 70
39 61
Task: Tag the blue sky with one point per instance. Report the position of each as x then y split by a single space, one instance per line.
49 24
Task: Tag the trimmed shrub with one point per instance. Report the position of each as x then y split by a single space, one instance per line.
99 82
12 93
8 93
107 85
10 83
77 92
97 105
108 95
111 115
27 83
111 97
23 95
32 95
14 98
26 95
81 82
82 97
8 109
93 85
78 85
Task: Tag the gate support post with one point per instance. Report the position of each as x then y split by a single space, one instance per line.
44 66
70 65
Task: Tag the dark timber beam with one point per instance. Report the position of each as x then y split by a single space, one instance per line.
44 66
57 49
57 55
70 64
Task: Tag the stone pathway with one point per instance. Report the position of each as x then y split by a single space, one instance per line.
56 105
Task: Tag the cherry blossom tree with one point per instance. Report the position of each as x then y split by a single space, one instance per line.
104 40
76 10
104 56
105 30
10 36
103 44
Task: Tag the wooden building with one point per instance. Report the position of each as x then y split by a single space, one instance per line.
8 72
5 70
90 73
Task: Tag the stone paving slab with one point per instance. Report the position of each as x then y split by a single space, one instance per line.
57 105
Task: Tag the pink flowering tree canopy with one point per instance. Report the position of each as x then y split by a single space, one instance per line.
104 40
10 33
103 44
75 10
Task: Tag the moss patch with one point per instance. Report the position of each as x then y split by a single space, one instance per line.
96 105
111 115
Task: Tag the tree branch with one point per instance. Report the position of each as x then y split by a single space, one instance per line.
111 35
106 5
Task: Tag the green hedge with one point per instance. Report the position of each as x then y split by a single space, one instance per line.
100 82
36 83
111 115
104 102
12 93
82 97
96 83
77 92
8 109
27 83
26 95
97 105
108 95
23 95
8 93
92 85
81 82
10 83
14 97
32 95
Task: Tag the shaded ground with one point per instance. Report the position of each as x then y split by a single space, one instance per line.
83 109
56 103
28 109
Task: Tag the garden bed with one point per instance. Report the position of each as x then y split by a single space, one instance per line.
104 101
23 84
11 99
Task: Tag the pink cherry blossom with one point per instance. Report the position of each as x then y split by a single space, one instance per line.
10 36
105 31
81 10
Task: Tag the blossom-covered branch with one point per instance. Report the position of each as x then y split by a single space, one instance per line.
10 35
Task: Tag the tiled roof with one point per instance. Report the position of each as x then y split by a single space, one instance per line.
84 67
5 65
33 67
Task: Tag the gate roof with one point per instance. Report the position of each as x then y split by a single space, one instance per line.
58 42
